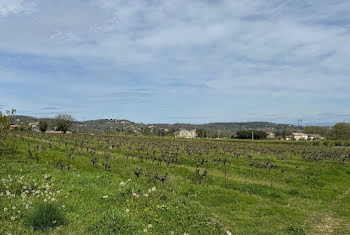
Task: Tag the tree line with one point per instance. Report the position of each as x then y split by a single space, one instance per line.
63 122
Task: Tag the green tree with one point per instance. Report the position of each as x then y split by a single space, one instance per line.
321 130
43 126
160 132
341 130
63 122
146 131
283 133
4 126
244 134
201 133
250 134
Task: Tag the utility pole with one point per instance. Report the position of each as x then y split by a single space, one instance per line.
300 122
252 135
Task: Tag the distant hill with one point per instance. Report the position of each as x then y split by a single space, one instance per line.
235 126
121 125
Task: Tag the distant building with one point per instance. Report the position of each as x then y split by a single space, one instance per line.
270 135
186 134
58 132
33 124
288 137
14 127
314 137
300 136
53 132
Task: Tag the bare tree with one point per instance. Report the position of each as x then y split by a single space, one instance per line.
63 122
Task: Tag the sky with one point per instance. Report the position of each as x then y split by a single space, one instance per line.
156 61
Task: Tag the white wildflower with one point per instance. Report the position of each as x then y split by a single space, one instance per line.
150 226
105 196
127 210
5 209
145 230
154 189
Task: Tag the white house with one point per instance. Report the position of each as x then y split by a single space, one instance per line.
300 136
186 134
270 135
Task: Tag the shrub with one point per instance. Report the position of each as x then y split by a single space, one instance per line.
45 216
43 126
338 143
295 230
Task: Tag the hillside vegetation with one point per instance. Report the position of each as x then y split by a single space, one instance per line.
111 126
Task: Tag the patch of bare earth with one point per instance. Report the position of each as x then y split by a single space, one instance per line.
327 225
328 222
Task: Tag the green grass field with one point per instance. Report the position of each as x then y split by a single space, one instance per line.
50 185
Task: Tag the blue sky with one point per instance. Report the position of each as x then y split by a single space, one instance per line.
172 61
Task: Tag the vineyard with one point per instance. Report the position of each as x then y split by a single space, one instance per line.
108 184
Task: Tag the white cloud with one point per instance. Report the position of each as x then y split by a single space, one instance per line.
283 48
9 7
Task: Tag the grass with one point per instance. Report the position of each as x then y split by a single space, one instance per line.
44 216
116 222
309 197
